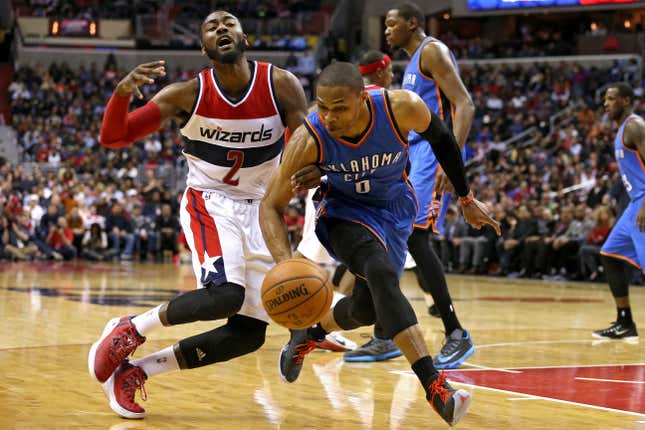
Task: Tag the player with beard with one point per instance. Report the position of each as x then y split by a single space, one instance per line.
626 242
234 116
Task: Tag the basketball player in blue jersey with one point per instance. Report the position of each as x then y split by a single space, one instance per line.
365 214
626 242
432 74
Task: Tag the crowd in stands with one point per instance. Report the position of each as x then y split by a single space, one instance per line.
85 201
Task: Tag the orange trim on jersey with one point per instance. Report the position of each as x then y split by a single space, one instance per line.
416 199
635 151
369 129
378 236
430 221
390 117
438 91
419 65
622 257
317 139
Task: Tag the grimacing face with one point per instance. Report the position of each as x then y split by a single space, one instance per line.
222 37
398 30
339 108
614 103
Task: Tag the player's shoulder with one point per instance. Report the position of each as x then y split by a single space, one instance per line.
434 50
283 77
402 99
635 125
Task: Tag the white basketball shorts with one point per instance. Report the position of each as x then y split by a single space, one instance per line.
226 244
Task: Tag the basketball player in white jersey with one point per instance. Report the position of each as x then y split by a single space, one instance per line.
234 116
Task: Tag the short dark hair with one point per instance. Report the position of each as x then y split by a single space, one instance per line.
624 90
341 74
408 10
371 56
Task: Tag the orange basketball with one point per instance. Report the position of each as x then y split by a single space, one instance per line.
297 293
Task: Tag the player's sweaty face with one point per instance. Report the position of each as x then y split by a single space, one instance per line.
338 108
222 37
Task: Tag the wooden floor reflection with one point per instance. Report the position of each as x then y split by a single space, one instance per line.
536 365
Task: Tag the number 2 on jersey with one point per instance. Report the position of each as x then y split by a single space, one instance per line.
238 156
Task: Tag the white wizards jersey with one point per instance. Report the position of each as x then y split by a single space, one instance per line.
234 147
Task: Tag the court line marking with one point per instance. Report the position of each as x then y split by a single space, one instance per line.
535 342
610 380
568 402
511 369
496 369
528 397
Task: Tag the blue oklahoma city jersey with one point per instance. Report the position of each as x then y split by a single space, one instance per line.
423 163
632 167
626 241
415 80
366 180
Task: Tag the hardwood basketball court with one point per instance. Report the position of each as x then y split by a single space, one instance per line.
536 364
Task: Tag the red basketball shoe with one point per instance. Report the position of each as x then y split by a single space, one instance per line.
118 341
120 389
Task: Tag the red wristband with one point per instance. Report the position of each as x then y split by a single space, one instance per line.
465 201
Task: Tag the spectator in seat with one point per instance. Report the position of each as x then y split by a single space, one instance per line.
61 239
119 230
167 227
95 244
145 236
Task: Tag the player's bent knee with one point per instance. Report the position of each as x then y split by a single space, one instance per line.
251 332
227 297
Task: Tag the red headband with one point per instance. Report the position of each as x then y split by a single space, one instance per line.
375 66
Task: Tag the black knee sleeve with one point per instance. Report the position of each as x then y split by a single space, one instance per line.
419 248
206 304
616 275
393 310
356 310
239 336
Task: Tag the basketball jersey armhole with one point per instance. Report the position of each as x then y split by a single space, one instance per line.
420 61
274 97
316 139
198 97
390 114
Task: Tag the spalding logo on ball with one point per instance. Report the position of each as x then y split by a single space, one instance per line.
296 293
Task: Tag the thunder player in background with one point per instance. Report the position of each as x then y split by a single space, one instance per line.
234 116
366 213
432 74
626 242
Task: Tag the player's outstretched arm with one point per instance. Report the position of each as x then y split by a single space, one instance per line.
121 128
635 138
411 113
301 151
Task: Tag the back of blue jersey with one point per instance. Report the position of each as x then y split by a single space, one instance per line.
630 163
371 170
415 80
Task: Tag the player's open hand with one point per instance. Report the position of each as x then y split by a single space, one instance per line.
476 214
306 178
141 75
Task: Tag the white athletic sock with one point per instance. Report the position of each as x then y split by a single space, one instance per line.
158 362
147 321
